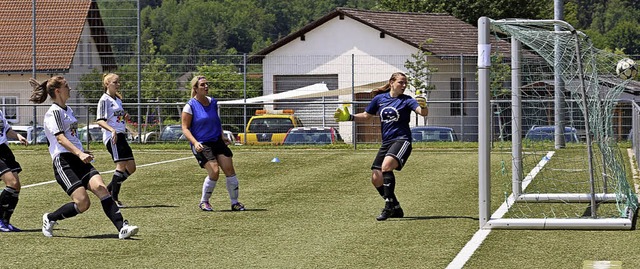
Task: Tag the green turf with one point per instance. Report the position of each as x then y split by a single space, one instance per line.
314 209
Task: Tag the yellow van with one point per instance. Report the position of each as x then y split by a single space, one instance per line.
269 127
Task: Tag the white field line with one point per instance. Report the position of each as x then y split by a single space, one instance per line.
111 171
465 253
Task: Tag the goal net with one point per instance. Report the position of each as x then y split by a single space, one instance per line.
547 112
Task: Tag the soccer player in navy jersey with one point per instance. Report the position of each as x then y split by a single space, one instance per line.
394 109
71 164
201 125
9 169
111 117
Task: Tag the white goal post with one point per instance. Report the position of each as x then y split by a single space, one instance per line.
487 220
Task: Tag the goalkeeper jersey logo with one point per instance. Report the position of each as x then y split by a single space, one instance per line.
389 114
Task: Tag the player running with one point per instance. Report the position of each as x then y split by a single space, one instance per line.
394 109
71 164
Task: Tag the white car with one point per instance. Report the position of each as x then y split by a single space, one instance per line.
173 133
28 133
95 133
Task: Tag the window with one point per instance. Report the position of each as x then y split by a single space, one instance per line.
457 96
7 105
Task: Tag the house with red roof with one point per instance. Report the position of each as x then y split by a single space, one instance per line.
64 37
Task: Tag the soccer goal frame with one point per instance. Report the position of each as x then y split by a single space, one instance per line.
495 220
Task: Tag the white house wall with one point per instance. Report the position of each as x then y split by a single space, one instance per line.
328 49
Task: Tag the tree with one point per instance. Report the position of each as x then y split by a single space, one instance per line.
157 85
420 70
470 10
227 82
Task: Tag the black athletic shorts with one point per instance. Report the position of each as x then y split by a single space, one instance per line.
121 151
71 172
398 149
8 161
210 151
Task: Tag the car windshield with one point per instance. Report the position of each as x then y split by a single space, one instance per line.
308 137
171 133
548 133
270 125
424 135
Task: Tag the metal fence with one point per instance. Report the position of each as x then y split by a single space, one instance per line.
155 87
158 118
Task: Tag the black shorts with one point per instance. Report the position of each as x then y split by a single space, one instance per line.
122 150
398 149
8 162
71 172
210 151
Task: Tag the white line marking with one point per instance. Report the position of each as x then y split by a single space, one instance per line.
111 171
465 253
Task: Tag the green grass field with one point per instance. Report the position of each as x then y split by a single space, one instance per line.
314 209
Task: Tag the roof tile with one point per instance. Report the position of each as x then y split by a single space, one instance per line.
59 26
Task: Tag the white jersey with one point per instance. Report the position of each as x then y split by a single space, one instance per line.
111 111
4 128
58 120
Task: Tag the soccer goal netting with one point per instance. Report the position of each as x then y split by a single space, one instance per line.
553 132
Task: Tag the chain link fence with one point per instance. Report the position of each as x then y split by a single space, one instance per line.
97 37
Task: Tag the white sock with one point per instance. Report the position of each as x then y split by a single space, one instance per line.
232 188
207 189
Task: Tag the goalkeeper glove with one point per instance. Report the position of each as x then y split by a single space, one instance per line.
343 114
421 99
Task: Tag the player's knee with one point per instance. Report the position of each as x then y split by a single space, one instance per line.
16 185
83 205
131 169
12 182
229 172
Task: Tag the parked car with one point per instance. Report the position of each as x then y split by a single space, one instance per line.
433 133
269 127
27 132
95 133
547 132
312 135
172 133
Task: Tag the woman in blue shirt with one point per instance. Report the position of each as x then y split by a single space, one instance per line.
394 109
201 125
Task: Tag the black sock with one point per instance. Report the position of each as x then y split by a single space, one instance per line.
8 202
64 212
116 183
112 211
380 190
389 187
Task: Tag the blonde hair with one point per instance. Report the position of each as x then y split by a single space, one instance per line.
48 87
194 84
387 87
106 79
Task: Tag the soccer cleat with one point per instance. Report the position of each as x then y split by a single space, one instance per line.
119 204
4 227
397 212
127 230
237 207
47 225
205 206
385 214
